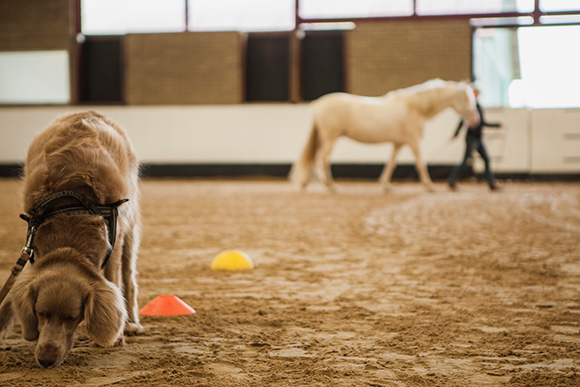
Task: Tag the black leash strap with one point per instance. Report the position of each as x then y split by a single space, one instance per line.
25 255
110 212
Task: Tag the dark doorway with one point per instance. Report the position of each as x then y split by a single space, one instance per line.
323 67
267 67
101 71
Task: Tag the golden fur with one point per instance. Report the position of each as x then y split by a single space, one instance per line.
91 155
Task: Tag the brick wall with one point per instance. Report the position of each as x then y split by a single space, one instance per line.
207 68
36 25
384 56
184 68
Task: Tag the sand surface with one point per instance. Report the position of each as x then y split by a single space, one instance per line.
355 288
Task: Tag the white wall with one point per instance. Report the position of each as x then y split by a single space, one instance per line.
540 141
555 148
509 148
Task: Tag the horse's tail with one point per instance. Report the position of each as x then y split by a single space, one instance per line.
302 170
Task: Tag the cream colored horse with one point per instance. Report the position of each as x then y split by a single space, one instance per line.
398 117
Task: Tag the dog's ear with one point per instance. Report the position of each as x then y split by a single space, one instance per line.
105 313
24 300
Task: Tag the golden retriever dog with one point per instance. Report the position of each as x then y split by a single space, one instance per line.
91 155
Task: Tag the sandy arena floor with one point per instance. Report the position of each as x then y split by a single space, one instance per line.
356 288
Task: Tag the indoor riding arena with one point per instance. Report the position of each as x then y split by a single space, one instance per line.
257 264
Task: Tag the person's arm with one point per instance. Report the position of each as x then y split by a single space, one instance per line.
490 124
483 122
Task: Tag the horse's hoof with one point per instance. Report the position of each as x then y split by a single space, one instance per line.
430 188
331 188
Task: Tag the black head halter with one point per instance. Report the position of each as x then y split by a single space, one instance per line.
46 208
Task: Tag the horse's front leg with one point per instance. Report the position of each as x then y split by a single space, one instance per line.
385 178
422 167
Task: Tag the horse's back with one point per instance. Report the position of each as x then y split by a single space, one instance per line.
341 98
365 119
345 105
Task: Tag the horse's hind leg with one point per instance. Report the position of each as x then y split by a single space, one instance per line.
385 178
325 150
422 168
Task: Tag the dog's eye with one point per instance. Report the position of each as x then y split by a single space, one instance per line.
43 314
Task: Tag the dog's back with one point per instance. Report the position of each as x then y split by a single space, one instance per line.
85 152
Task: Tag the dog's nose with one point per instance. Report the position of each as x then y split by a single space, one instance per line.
46 362
47 355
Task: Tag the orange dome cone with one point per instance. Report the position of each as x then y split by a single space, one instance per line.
166 306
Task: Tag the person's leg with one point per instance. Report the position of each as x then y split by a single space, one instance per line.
488 173
459 169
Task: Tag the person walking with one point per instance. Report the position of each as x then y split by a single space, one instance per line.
474 141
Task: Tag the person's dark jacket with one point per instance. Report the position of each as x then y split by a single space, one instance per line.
475 131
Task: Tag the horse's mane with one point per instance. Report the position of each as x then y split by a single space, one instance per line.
431 84
424 96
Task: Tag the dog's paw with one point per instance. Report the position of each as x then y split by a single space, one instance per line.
120 341
132 329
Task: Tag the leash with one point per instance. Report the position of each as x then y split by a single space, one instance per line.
38 213
25 255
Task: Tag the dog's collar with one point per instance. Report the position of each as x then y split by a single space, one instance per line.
75 203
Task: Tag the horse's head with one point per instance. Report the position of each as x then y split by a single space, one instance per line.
465 104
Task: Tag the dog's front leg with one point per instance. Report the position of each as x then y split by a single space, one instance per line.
129 274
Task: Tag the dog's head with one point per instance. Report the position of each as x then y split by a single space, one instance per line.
57 294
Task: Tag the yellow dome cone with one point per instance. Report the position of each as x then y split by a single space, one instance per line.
232 260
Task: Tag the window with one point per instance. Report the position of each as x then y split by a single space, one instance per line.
495 63
241 15
528 67
325 9
453 7
559 5
549 67
110 17
34 77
